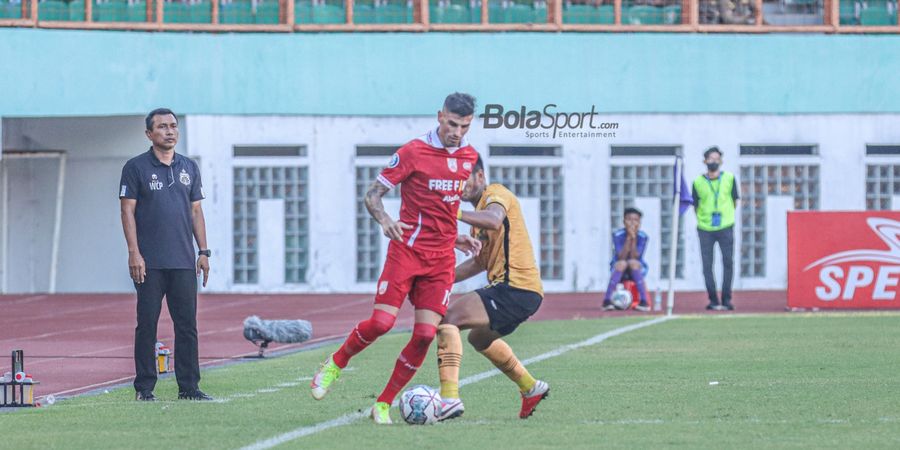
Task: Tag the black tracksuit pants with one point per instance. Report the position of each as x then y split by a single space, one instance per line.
179 286
708 239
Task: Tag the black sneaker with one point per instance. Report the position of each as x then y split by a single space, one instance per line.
608 306
145 396
713 307
728 306
196 394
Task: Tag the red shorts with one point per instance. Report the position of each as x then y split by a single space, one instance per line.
425 277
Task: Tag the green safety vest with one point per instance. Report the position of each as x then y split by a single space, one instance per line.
714 196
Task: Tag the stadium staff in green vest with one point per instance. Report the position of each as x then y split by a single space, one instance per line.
716 197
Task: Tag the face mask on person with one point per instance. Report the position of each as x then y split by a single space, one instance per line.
713 166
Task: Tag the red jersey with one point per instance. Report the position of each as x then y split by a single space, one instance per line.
433 179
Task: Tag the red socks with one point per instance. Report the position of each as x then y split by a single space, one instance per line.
365 333
409 361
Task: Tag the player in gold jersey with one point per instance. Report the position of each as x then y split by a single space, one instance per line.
515 293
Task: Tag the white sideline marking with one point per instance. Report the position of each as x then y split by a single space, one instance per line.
353 417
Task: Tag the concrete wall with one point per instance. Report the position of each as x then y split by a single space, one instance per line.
93 257
402 73
92 253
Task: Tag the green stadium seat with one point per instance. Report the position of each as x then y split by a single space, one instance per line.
76 11
394 13
267 12
540 13
328 13
672 14
518 13
302 11
363 13
475 11
642 15
136 12
176 12
10 10
873 16
201 12
848 12
53 10
604 14
105 12
237 12
451 14
497 13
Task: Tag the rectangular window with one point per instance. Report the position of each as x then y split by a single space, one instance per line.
521 150
874 149
269 150
645 150
648 180
376 150
546 184
800 181
252 184
368 232
882 184
779 150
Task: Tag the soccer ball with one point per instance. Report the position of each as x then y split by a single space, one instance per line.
420 405
621 298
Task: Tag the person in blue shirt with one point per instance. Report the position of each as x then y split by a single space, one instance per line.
628 259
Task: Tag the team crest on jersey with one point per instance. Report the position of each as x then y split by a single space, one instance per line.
184 178
467 165
395 161
155 184
382 287
451 163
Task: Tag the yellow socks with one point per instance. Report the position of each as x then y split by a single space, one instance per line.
499 353
449 356
503 358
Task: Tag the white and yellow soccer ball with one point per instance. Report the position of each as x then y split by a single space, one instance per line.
420 405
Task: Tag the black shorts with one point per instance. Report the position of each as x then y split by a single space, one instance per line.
507 307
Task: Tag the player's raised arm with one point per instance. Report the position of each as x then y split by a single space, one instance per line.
375 205
491 218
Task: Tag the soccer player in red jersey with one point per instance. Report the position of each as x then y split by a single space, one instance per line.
420 259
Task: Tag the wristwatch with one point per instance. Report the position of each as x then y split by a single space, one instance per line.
207 253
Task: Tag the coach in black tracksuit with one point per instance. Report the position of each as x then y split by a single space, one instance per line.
160 196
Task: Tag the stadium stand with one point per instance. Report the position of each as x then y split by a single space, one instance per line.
801 16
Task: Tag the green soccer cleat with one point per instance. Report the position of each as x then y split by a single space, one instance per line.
321 383
381 413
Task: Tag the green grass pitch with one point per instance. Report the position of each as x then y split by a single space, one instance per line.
784 381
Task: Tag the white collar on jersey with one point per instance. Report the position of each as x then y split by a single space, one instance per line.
431 138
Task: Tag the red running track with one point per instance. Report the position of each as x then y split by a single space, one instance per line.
77 343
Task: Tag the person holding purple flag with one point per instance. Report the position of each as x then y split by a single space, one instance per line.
628 260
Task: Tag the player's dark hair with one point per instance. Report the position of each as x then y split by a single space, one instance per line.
711 150
158 112
631 210
479 165
460 104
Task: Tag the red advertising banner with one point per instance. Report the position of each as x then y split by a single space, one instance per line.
844 260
